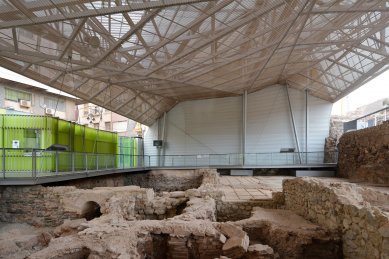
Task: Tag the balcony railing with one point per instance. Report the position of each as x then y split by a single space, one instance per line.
27 163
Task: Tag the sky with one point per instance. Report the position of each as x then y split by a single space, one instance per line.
8 74
376 89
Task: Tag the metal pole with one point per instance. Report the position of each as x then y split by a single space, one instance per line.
33 163
244 125
86 161
163 139
294 126
4 162
306 126
72 161
56 162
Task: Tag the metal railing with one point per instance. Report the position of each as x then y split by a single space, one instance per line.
367 121
40 163
248 159
27 163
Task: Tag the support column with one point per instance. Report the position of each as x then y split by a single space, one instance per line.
244 125
163 137
293 124
306 126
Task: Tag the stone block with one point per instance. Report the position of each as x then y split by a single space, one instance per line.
259 251
177 194
231 230
236 247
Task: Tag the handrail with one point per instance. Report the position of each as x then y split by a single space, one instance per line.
34 163
354 125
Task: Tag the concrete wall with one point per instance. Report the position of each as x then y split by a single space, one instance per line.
214 126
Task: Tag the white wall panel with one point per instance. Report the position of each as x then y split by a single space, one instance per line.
149 150
204 127
269 126
214 126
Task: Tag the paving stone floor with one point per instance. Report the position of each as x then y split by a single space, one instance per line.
238 188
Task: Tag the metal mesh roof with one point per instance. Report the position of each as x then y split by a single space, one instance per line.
140 58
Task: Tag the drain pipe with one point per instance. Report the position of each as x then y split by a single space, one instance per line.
294 126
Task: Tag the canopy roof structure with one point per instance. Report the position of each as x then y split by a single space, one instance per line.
140 58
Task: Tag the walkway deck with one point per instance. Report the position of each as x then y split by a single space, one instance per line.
243 188
26 178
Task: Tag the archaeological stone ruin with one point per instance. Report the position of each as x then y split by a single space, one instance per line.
196 215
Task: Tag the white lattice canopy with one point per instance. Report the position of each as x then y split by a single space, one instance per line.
140 58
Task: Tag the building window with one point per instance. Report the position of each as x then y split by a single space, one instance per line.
107 125
120 126
54 103
16 95
96 125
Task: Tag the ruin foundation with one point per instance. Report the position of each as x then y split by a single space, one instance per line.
364 155
310 218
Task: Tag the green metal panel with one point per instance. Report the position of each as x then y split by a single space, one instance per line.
125 145
40 132
79 132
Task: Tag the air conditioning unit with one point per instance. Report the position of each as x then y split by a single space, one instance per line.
49 111
25 103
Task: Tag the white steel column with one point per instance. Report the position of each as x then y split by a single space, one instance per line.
306 126
244 124
293 124
163 137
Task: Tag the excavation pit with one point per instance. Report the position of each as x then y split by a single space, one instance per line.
299 218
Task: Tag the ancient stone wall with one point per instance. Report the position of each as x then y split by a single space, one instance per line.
331 142
364 154
36 205
232 211
50 206
346 208
166 180
159 180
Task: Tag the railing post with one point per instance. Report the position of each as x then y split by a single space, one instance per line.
97 161
56 162
33 156
86 161
4 157
72 161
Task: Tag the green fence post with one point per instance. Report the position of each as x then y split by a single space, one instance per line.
4 163
86 162
56 162
33 163
72 162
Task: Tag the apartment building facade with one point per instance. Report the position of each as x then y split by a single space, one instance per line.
19 98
